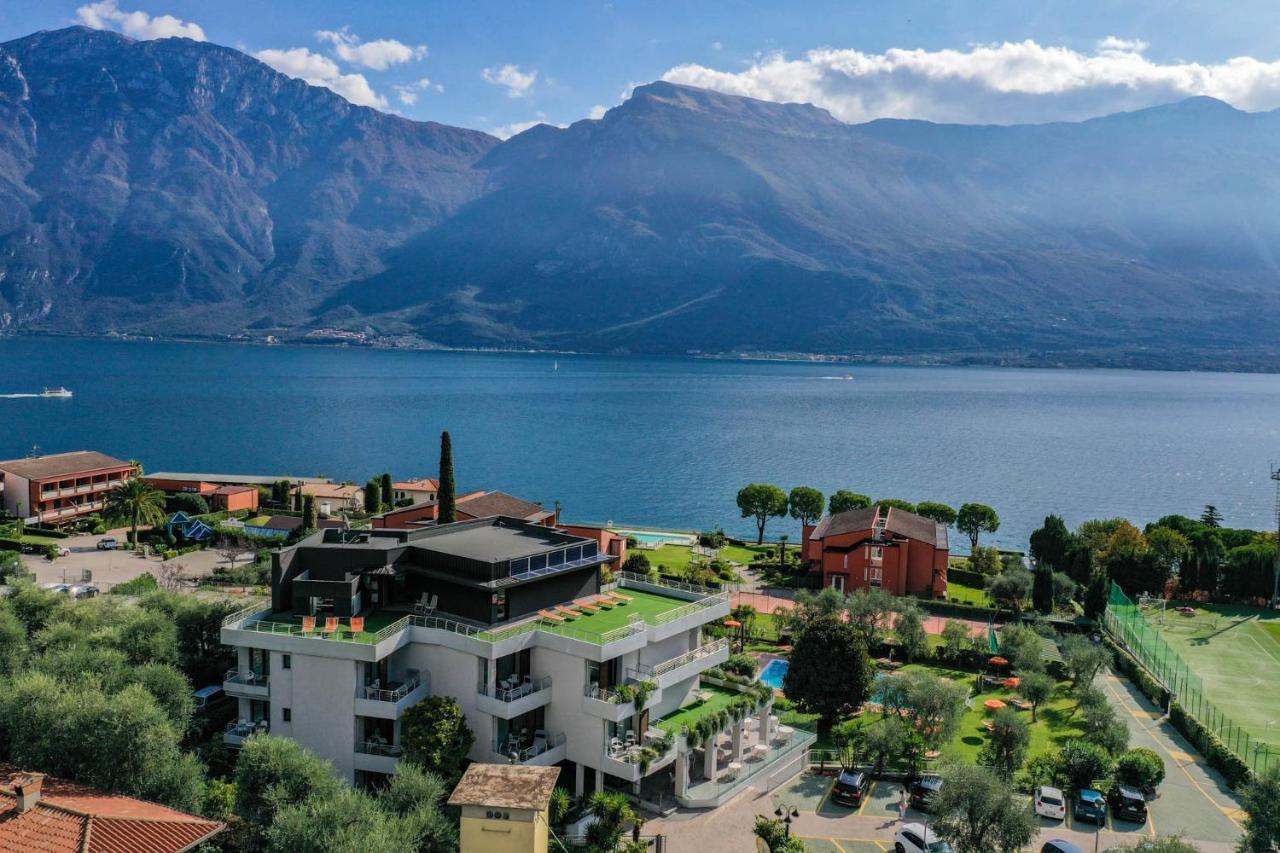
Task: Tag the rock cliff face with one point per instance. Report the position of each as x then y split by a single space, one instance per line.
170 187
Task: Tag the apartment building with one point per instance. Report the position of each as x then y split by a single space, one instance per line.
61 487
887 547
509 617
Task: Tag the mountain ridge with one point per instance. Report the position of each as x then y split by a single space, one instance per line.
178 188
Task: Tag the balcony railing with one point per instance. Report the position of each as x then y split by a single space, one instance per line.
538 747
246 677
241 729
692 655
372 747
393 694
620 750
511 694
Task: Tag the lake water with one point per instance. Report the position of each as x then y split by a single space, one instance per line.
665 442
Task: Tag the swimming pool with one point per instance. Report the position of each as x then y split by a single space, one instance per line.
657 538
773 673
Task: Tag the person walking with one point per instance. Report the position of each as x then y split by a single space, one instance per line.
902 804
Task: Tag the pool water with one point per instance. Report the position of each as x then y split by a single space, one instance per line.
657 538
776 670
773 673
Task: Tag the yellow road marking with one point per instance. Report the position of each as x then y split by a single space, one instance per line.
862 805
823 801
837 844
1111 681
1179 755
1151 824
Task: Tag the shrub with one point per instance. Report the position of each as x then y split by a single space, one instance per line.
1082 762
1141 768
740 664
140 585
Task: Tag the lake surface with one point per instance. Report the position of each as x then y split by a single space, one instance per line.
665 442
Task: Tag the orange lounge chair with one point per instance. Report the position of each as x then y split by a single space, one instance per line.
586 605
331 625
569 612
622 599
604 601
357 624
549 616
308 624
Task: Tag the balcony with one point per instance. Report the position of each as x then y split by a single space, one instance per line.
389 702
238 731
690 664
544 751
375 757
512 701
633 761
242 682
615 704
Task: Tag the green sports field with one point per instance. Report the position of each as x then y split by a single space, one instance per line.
1236 653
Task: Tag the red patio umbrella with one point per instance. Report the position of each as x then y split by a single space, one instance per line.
998 661
993 704
1012 682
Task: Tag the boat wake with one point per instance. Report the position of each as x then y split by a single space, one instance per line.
16 396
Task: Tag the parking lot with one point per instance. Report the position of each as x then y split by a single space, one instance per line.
110 567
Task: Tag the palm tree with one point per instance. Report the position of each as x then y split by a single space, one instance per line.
612 812
137 501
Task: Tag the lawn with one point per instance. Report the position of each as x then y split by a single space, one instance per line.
689 715
967 594
1055 722
1235 651
676 558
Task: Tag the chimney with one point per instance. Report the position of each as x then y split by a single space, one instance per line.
27 787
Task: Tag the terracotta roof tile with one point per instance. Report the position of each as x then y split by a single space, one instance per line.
501 503
60 464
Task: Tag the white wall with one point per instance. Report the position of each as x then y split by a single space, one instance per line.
322 697
17 490
456 674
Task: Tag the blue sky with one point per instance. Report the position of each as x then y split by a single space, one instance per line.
500 66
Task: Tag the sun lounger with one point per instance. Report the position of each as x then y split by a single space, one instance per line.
331 625
357 624
604 601
549 616
624 599
308 624
586 605
569 612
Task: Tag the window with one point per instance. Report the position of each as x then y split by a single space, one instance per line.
876 575
286 662
286 715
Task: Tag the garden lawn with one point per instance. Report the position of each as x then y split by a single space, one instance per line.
648 605
968 594
676 558
689 715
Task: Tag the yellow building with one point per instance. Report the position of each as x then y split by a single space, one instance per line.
504 807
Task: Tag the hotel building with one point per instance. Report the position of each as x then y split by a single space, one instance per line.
61 487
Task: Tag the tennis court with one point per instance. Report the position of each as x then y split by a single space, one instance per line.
1235 651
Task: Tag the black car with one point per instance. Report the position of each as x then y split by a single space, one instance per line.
1060 845
851 787
923 792
1127 803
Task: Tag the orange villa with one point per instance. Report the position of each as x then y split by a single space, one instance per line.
900 551
61 487
469 506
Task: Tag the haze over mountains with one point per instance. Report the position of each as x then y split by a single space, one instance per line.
180 188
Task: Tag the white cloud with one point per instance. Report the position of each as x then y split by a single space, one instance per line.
598 111
517 83
1000 83
320 70
715 45
378 55
408 92
106 15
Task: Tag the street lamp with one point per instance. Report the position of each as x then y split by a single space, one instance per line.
787 814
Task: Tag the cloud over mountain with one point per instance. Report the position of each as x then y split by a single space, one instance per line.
107 15
1004 83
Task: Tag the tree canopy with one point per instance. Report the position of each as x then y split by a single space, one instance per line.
975 519
843 501
805 504
980 813
829 669
435 735
761 501
939 512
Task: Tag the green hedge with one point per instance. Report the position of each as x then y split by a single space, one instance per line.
1220 758
10 545
954 608
967 578
46 531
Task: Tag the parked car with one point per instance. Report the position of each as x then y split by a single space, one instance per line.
1127 803
923 792
851 787
1090 805
1050 803
56 587
1060 845
108 543
918 838
87 591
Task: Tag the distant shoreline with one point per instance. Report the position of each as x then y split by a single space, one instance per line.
1269 364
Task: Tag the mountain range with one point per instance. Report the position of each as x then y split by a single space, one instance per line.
175 188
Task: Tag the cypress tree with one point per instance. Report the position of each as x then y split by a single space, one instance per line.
1042 588
448 507
309 521
387 491
297 500
372 496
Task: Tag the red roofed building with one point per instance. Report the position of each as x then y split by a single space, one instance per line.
47 815
904 553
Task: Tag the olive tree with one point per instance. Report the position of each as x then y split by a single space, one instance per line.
980 813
